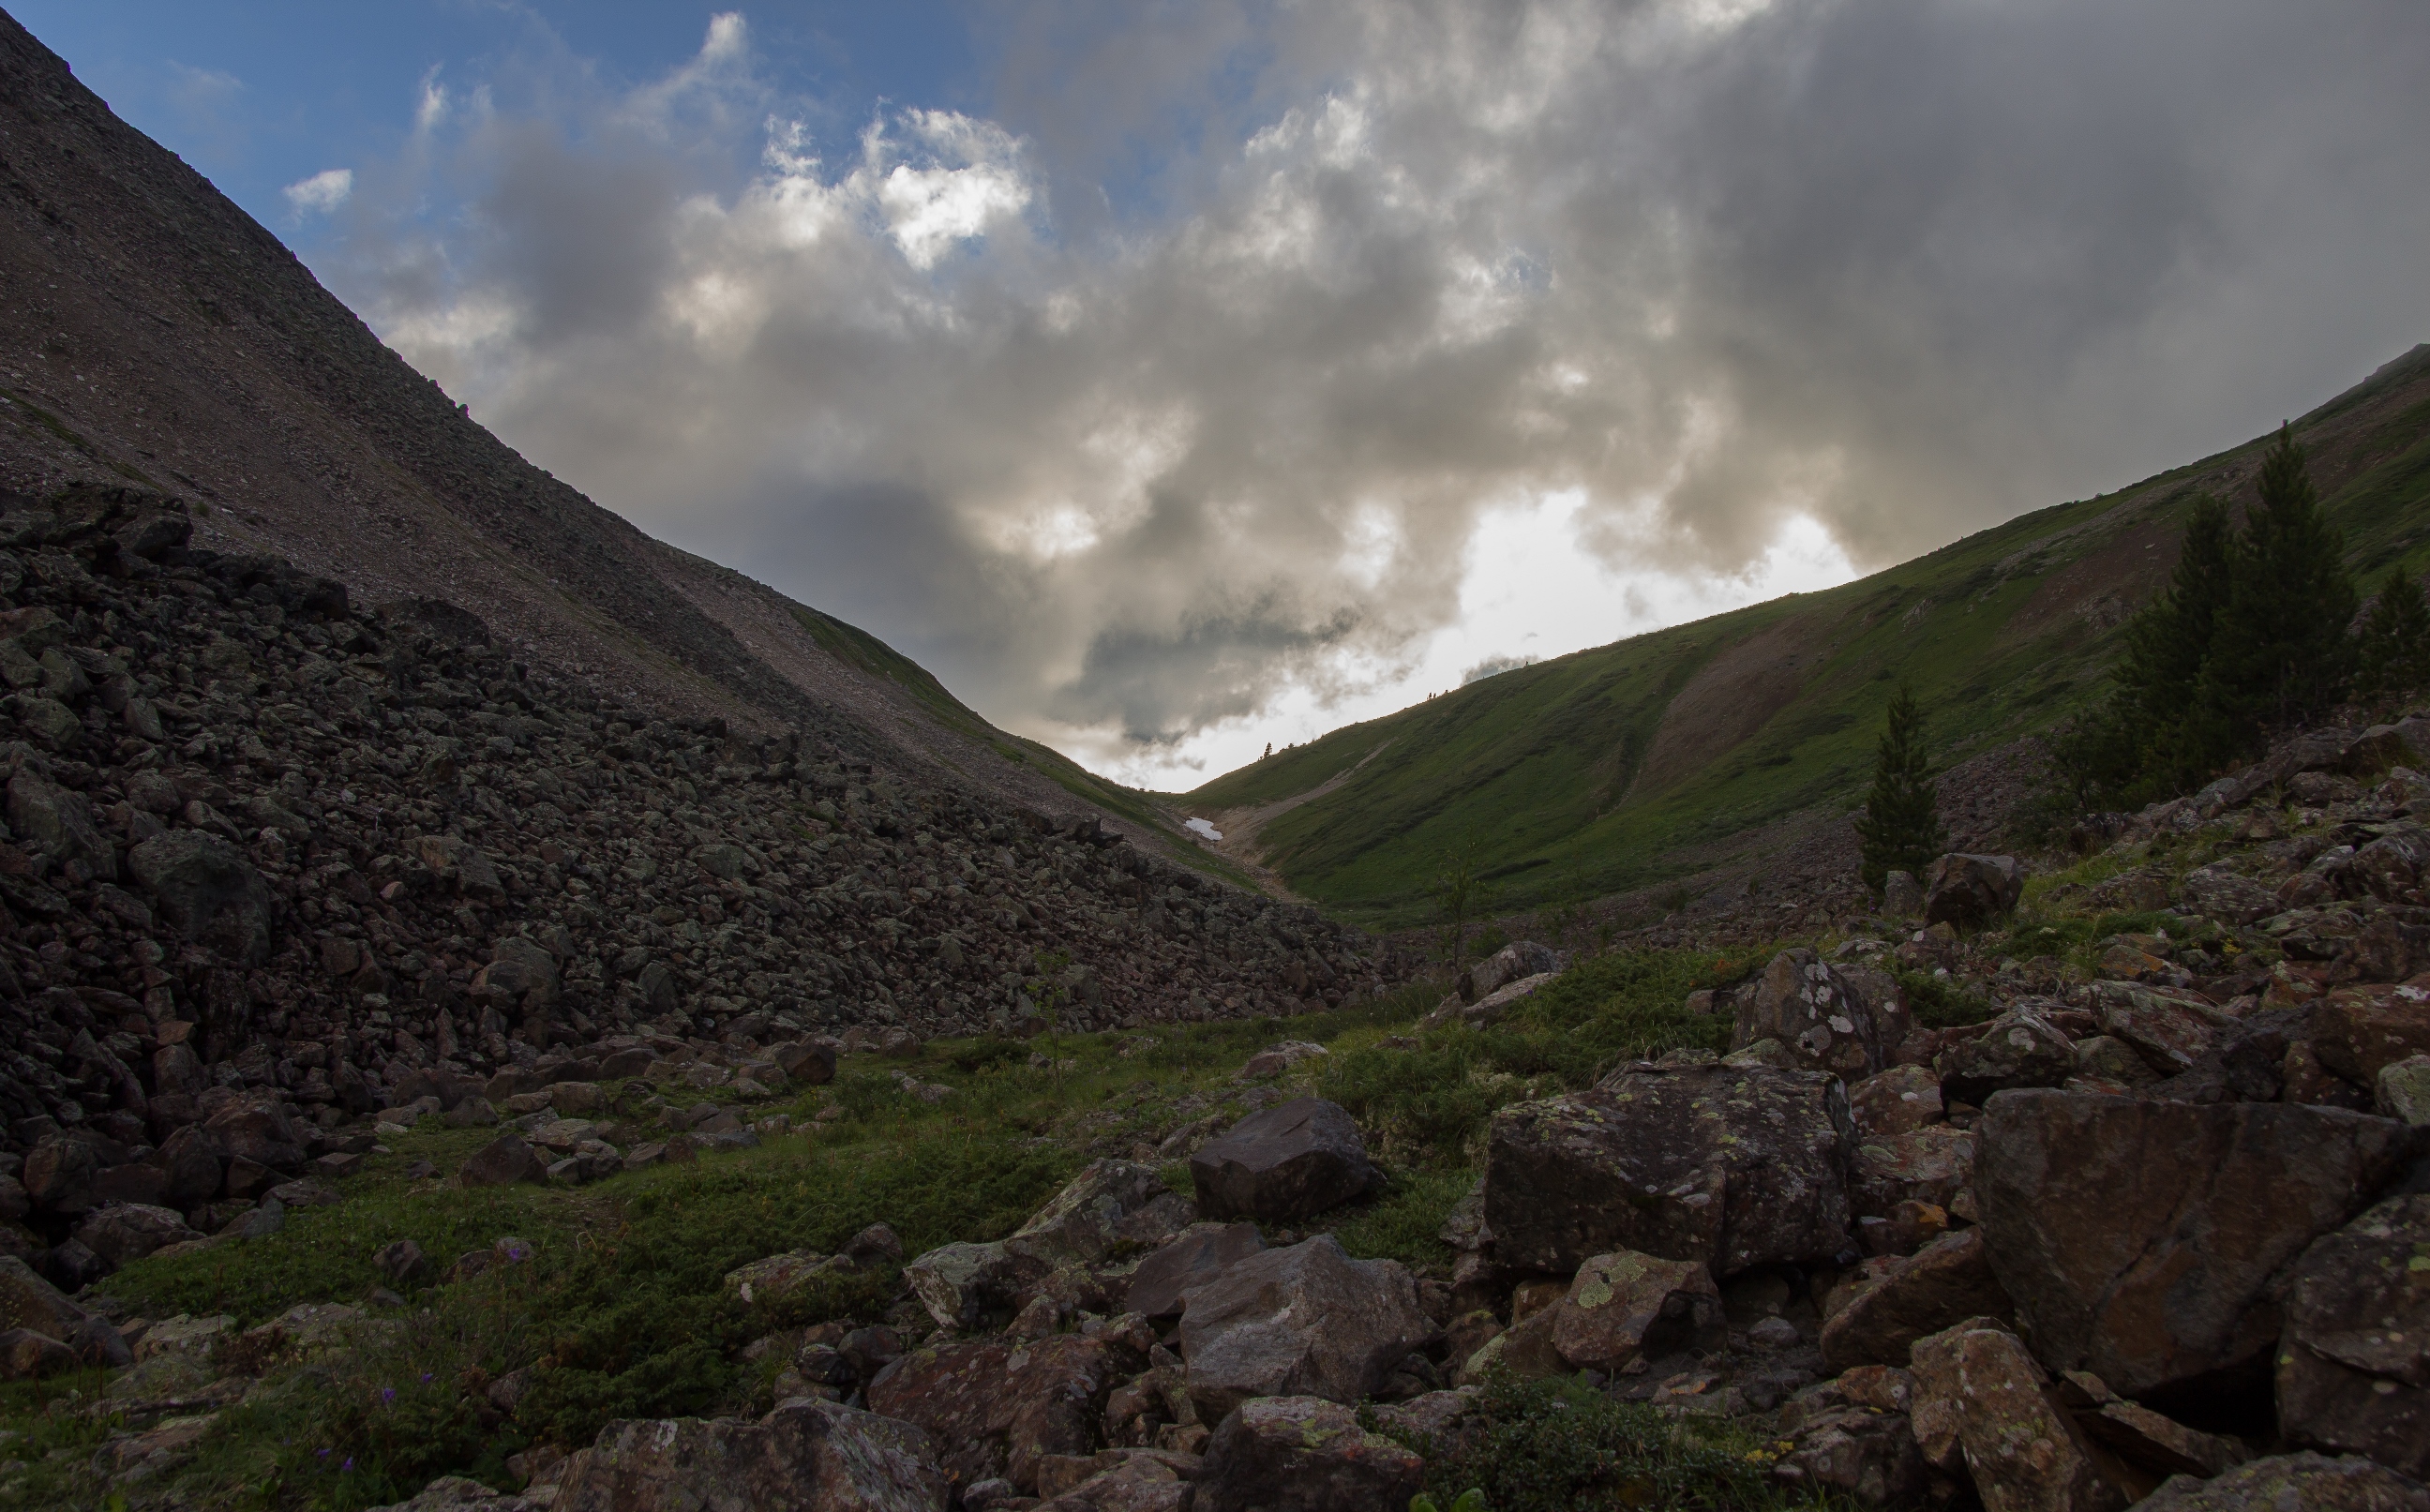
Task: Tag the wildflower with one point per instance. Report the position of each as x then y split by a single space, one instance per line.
388 1395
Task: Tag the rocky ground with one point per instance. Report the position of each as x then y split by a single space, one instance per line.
271 863
2076 1181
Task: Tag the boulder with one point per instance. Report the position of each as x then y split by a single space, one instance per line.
1140 1481
63 1173
1939 1287
996 1406
2216 892
2353 1361
126 1232
2140 1240
810 1062
1511 963
2357 1030
1899 1101
1087 1218
2020 1048
26 1356
1303 1454
1964 889
28 1301
1932 1165
1850 1436
1980 1400
1290 1161
502 1162
2148 1447
1623 1306
2171 1030
521 972
454 1493
1728 1166
808 1454
1823 1020
2404 1090
256 1127
1524 1352
1197 1256
206 891
964 1285
57 825
2294 1483
1304 1321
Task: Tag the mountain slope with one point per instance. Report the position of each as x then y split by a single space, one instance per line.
155 332
1733 741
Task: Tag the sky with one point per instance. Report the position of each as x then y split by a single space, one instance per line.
1177 378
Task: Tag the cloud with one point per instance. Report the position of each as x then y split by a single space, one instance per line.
1188 397
323 192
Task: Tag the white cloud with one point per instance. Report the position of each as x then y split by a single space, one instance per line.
322 192
1443 331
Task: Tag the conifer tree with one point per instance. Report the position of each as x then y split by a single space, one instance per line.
2394 657
2283 650
1901 825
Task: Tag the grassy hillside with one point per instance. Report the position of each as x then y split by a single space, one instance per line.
1617 766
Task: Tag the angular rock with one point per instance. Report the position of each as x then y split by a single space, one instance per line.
2140 1240
1729 1165
1971 890
2170 1029
1933 1165
26 1356
1141 1483
1197 1256
1304 1321
1511 963
1823 1019
28 1301
454 1493
2144 1440
1294 1160
206 891
1979 1399
1852 1436
2357 1030
1626 1305
963 1285
2404 1090
997 1406
127 1232
2354 1362
1522 1352
502 1162
1302 1453
2294 1483
256 1127
58 825
1898 1101
2020 1048
522 972
1084 1221
2219 894
810 1455
1940 1285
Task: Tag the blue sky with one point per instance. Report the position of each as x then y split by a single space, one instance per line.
262 94
1176 376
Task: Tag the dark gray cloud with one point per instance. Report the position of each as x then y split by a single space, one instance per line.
1179 384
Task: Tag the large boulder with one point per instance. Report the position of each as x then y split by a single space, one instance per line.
1971 890
126 1232
2353 1363
1980 1402
1728 1166
1624 1307
1512 963
1290 1161
1101 1207
206 891
1899 1101
2020 1048
1304 1321
521 973
1197 1256
2171 1030
2294 1483
256 1127
1940 1285
502 1162
995 1406
2357 1030
1852 1436
2140 1241
57 825
964 1286
28 1301
1931 1165
1822 1017
1302 1453
808 1454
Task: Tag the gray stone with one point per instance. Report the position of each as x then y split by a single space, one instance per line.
1971 890
2353 1361
206 891
126 1232
1304 1321
2020 1048
811 1455
1195 1256
2294 1483
1303 1454
58 825
1084 1221
1731 1166
1820 1017
502 1162
1290 1161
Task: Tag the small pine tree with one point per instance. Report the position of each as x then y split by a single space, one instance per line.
1901 825
2283 652
2394 655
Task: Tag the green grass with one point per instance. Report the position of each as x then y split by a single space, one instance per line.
1543 768
620 1311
